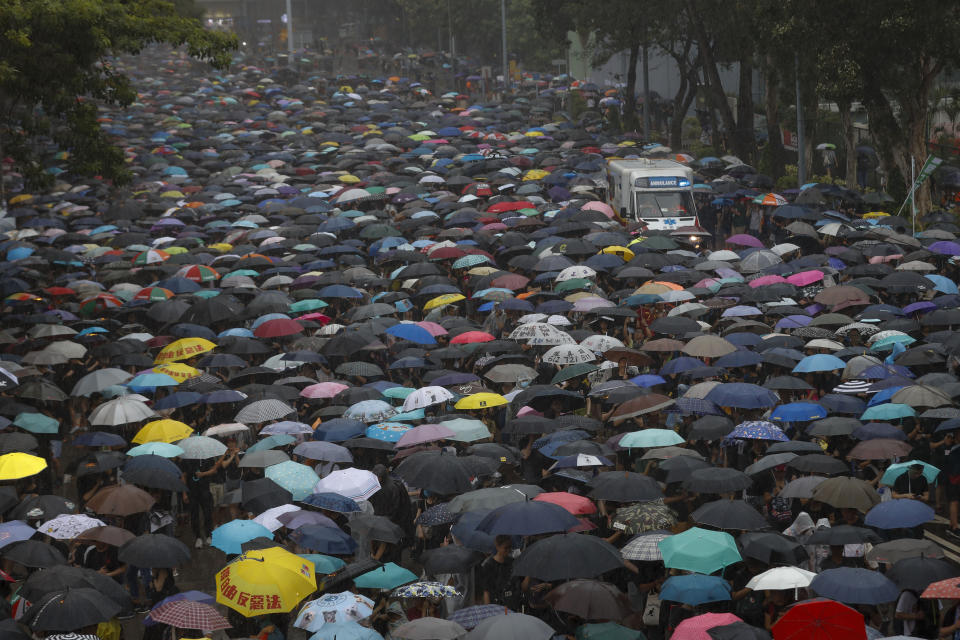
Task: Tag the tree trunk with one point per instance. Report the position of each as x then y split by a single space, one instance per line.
681 106
744 140
811 113
630 105
849 145
711 75
775 161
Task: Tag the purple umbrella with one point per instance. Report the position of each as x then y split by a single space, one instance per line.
793 322
945 247
920 307
745 240
423 434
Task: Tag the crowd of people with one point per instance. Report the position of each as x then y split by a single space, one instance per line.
347 359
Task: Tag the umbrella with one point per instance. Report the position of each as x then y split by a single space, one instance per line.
120 500
296 478
695 589
376 527
189 614
729 514
356 484
589 600
154 550
699 550
899 514
69 610
429 628
918 573
623 486
896 550
69 526
527 518
228 537
14 466
470 617
324 539
425 590
646 516
772 548
846 493
333 608
389 576
511 626
450 559
855 586
820 620
265 581
585 557
779 578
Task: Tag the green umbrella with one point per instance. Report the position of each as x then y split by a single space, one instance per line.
388 576
608 631
894 471
650 438
310 304
324 564
36 423
699 550
574 371
572 285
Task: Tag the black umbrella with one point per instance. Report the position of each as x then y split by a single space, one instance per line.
730 514
33 554
63 577
710 428
436 471
583 557
154 479
45 507
818 463
772 548
679 468
624 486
843 534
154 550
70 610
450 559
738 631
717 480
376 528
918 573
259 495
10 630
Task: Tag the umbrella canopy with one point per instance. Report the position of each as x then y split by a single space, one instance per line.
265 580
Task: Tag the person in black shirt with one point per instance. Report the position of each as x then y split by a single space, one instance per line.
197 475
912 484
496 582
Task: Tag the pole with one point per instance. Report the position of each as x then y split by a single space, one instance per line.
801 155
453 49
646 94
913 195
503 45
290 33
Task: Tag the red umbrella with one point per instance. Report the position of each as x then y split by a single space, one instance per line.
820 619
947 589
469 337
576 505
502 207
512 281
277 328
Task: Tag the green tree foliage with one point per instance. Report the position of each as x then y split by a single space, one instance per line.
55 68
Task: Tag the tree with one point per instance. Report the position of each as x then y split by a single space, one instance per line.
55 67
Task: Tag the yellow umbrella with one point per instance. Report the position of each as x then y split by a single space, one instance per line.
652 287
183 349
163 431
349 178
220 247
579 295
265 581
481 401
875 214
482 271
445 299
623 252
14 466
178 371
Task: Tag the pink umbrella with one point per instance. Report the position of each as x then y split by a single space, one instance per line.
432 328
765 280
598 205
804 278
696 628
745 240
882 259
323 390
423 434
706 283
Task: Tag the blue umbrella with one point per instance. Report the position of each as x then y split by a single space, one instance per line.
855 586
150 381
842 403
695 589
819 362
757 430
325 451
943 284
15 531
528 518
151 464
896 470
740 358
228 537
884 395
742 395
331 502
798 412
338 430
873 430
99 439
36 423
647 380
899 514
470 617
681 364
324 564
272 442
387 431
467 534
888 411
387 576
412 332
177 400
323 539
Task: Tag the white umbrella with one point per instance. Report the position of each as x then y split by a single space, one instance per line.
122 410
575 271
426 397
226 428
269 517
356 484
600 343
568 354
780 578
69 526
97 381
201 448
